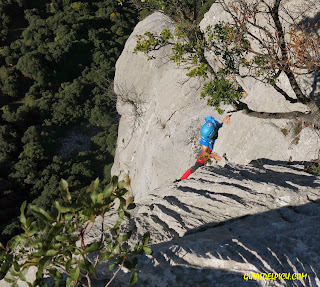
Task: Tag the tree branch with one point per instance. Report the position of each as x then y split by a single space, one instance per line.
241 106
284 52
283 93
115 274
88 279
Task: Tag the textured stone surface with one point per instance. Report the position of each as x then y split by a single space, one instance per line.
249 138
161 114
263 97
224 222
30 277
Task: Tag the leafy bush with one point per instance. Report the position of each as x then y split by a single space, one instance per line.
50 238
313 167
220 90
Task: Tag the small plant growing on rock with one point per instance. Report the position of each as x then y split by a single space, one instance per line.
313 168
285 132
55 241
297 130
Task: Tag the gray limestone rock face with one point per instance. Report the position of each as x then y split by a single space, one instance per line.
30 277
246 215
250 215
161 114
249 138
225 222
263 97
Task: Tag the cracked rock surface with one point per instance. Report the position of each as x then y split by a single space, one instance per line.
162 114
226 221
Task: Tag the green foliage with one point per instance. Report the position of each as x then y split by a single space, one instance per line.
179 10
25 171
33 151
8 138
17 113
220 90
8 82
79 6
31 135
221 40
106 140
313 168
149 42
232 44
10 10
33 65
57 59
50 237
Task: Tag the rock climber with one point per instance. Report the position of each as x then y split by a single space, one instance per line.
209 133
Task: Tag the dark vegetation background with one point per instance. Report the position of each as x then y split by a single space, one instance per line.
57 109
57 113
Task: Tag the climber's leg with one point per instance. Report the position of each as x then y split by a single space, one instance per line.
196 166
191 170
186 174
201 161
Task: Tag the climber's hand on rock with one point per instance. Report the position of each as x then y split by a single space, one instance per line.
215 156
226 120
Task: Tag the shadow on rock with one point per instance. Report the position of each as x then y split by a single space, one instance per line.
279 241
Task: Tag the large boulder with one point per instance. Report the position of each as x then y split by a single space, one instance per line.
161 114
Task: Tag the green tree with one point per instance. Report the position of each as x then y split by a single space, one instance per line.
189 10
106 140
34 66
11 20
25 171
263 54
8 143
17 113
56 61
9 83
33 151
31 135
67 108
50 238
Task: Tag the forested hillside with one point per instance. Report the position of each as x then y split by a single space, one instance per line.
56 62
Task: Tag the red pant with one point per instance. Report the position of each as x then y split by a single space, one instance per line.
201 161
